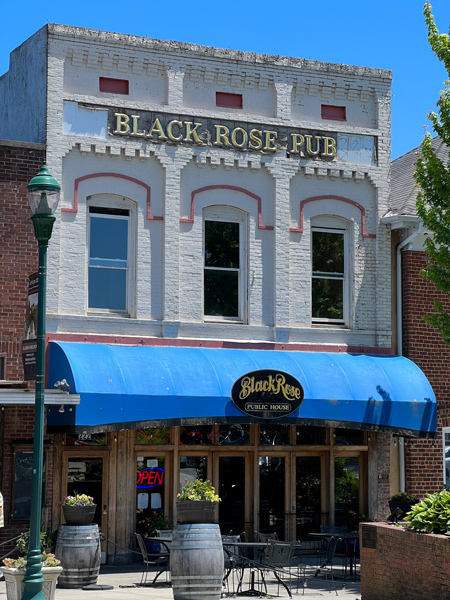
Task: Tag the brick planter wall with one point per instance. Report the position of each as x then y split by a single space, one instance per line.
403 564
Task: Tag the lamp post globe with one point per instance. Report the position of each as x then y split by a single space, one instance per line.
43 196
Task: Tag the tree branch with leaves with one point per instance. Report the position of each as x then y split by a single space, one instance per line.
433 181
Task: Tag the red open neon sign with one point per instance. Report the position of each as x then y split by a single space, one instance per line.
150 477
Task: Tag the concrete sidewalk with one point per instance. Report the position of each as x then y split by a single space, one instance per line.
125 583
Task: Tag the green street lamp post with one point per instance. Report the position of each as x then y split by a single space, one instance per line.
43 196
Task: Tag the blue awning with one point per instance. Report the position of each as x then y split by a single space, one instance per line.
123 387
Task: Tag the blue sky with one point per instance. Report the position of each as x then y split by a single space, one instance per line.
384 34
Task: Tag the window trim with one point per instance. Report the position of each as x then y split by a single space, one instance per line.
444 431
318 226
112 202
228 214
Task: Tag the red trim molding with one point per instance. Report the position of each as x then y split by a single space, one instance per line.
118 176
341 199
88 338
226 187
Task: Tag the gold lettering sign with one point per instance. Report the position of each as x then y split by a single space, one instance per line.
167 128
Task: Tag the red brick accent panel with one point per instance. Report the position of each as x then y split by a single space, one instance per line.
18 248
424 345
404 564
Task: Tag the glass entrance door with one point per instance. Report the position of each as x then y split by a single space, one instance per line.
232 494
308 495
272 494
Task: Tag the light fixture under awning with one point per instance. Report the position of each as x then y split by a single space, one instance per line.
123 387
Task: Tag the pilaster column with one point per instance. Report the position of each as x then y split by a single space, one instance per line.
173 159
282 169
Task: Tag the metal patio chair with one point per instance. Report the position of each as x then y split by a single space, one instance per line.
326 568
160 559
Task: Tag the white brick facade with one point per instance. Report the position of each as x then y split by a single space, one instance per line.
278 193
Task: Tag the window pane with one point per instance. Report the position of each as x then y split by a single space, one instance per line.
234 435
311 435
150 491
108 242
222 244
346 488
349 437
154 435
328 252
221 293
192 468
107 288
327 298
271 502
308 494
273 435
447 459
193 435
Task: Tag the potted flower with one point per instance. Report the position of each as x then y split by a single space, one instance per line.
196 502
78 509
149 528
14 572
353 519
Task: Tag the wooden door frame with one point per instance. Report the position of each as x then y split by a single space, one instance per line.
90 452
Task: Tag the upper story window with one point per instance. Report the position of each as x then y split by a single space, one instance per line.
2 368
109 284
333 113
328 286
228 100
114 86
224 265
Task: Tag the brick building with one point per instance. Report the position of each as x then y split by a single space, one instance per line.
426 463
219 289
19 162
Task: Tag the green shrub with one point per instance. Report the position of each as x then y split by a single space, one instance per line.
432 514
404 497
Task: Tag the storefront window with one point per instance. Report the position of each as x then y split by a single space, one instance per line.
272 491
192 468
346 488
154 436
314 436
150 489
349 437
23 474
196 435
273 435
234 434
86 439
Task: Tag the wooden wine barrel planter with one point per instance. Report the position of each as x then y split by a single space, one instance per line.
196 562
78 549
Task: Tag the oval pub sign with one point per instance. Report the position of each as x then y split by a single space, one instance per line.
267 394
